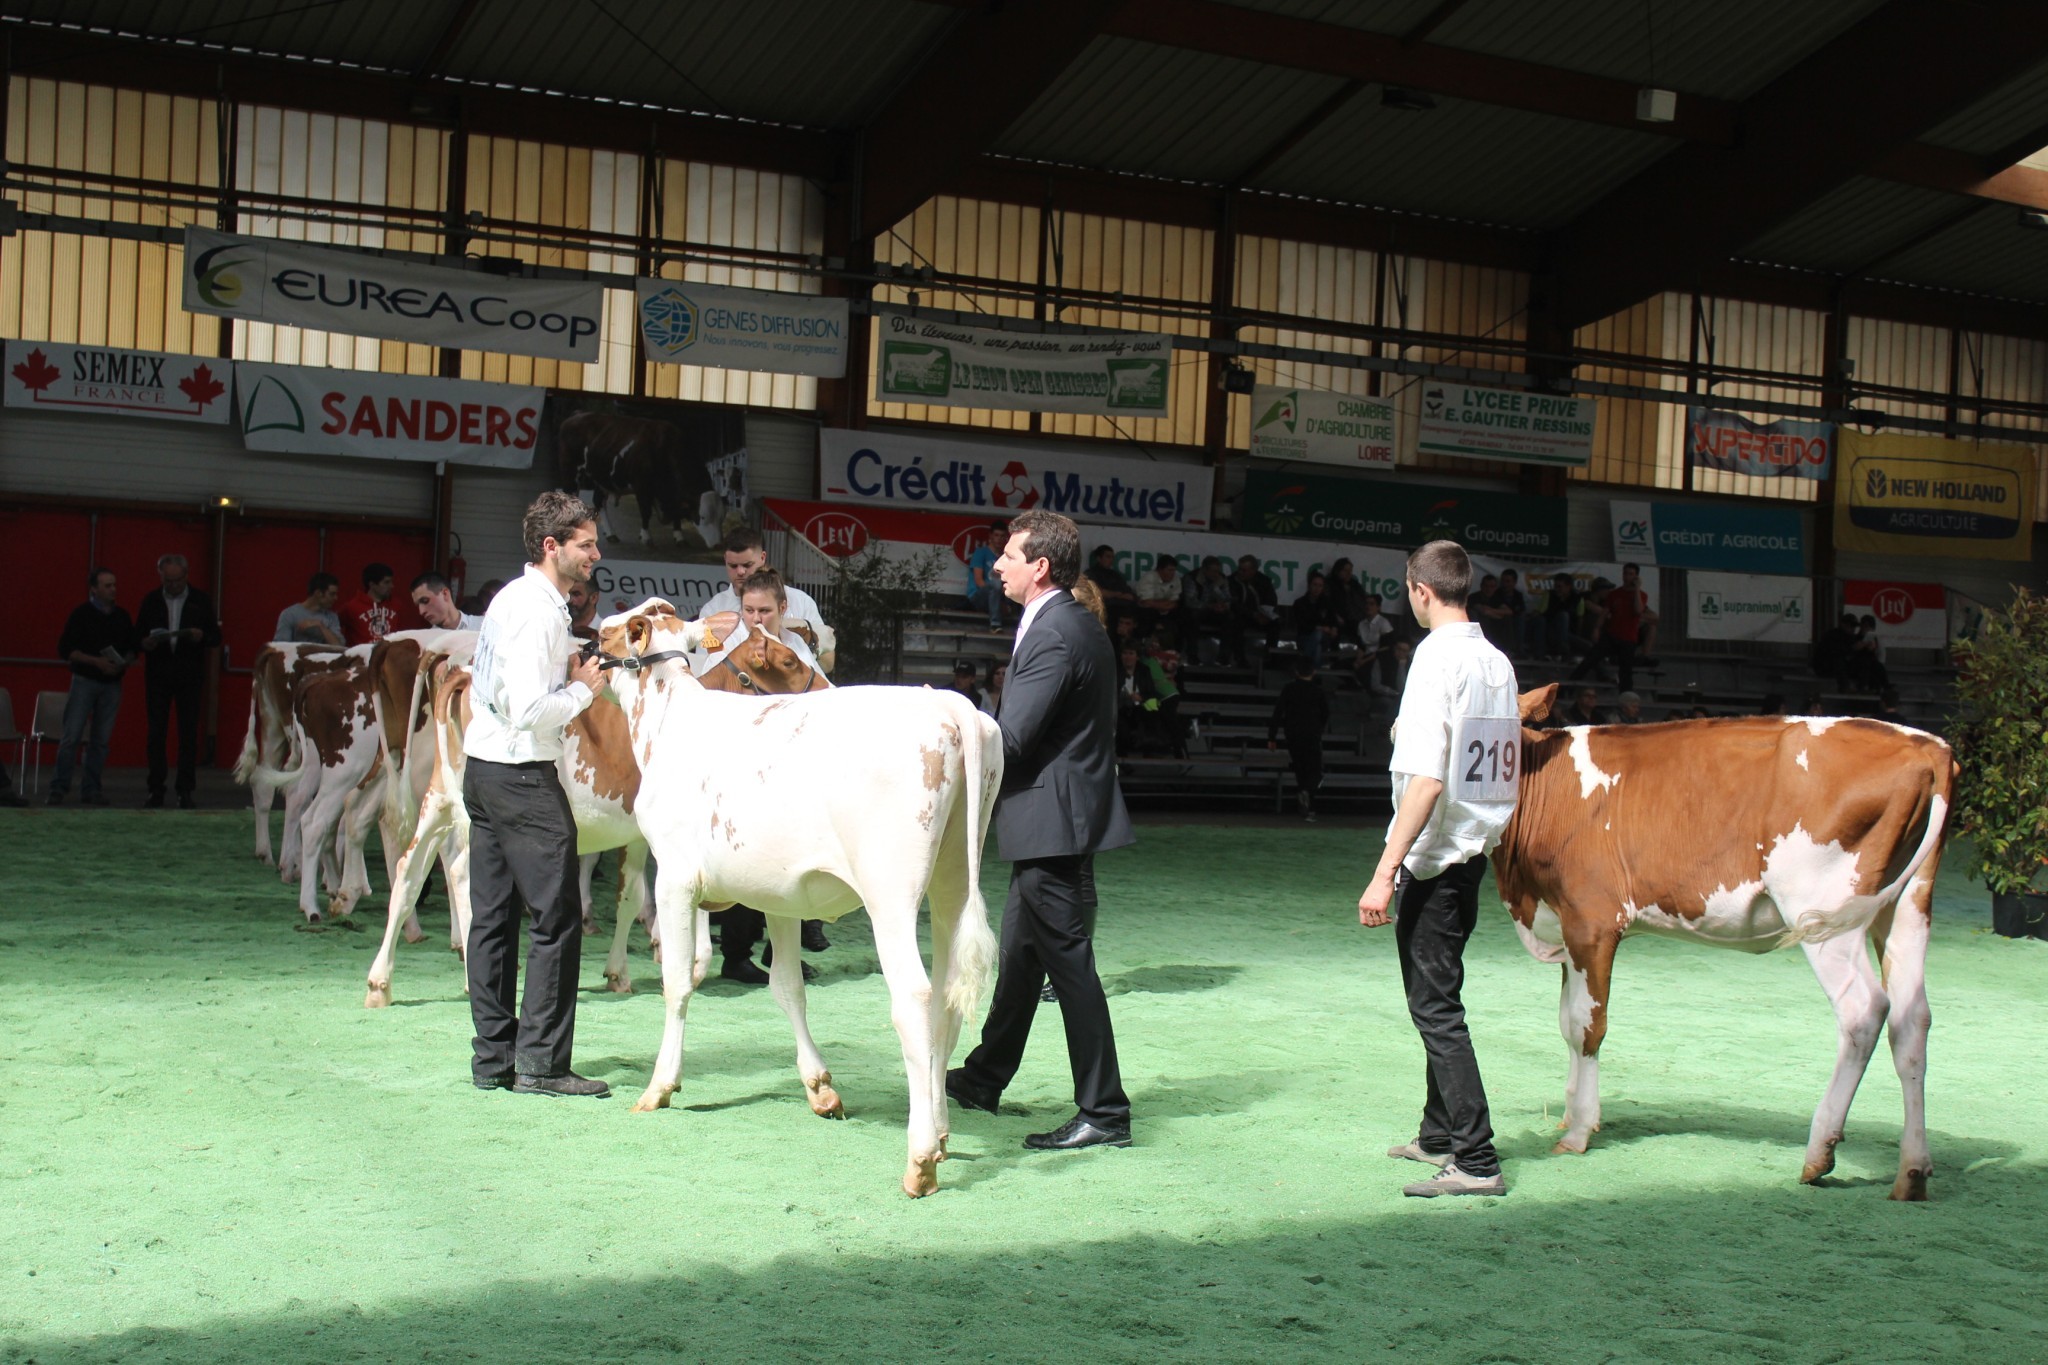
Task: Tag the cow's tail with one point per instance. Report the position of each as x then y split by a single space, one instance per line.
974 943
397 811
245 766
1857 912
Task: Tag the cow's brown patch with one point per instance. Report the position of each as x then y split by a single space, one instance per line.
330 708
770 709
934 767
604 753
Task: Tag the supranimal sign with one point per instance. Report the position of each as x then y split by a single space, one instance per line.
53 377
300 410
1734 606
266 279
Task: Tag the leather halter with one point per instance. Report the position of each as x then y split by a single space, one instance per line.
754 687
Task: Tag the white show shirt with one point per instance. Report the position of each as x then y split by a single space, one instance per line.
1373 632
1031 610
1459 723
465 621
799 605
522 654
174 613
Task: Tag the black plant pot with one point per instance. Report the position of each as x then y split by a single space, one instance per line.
2019 914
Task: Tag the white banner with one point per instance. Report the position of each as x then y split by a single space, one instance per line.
1536 579
1913 615
265 279
1322 428
301 411
1506 424
1741 606
950 366
623 583
942 474
55 377
743 329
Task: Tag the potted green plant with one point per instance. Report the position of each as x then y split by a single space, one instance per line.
2001 747
869 594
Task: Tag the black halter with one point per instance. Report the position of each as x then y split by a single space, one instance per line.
633 663
754 687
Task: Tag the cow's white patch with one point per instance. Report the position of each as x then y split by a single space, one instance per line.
1740 916
1815 725
1801 761
1659 920
1591 778
1576 1008
1545 940
1806 878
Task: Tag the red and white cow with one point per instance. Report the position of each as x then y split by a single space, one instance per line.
809 807
268 763
1750 833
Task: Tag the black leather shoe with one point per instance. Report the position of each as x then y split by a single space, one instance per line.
968 1095
814 939
1048 994
96 799
1077 1133
743 970
155 802
501 1081
566 1085
186 802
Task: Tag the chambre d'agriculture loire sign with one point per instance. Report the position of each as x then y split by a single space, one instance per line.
939 363
1522 425
1322 428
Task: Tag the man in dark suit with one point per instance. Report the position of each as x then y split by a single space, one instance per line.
178 630
1059 805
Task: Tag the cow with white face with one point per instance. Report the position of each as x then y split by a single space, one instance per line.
808 807
1751 833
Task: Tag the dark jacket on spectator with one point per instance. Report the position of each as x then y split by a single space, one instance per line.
188 659
90 631
1302 713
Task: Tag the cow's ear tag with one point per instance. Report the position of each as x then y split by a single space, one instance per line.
712 644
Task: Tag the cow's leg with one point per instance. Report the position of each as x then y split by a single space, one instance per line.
1843 965
963 952
428 840
318 835
1904 952
910 1008
676 906
1582 1017
455 863
363 808
632 891
297 797
586 868
786 984
393 841
262 795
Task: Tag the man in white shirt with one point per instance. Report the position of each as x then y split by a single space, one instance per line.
435 602
745 556
1456 769
522 840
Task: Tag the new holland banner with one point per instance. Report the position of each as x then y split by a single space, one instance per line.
54 377
949 366
1921 495
265 279
743 329
1322 428
298 410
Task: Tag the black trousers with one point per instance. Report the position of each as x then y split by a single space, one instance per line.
162 692
522 848
1432 920
1305 756
1049 932
1623 652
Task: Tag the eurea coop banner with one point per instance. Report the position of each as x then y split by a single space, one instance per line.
920 360
53 377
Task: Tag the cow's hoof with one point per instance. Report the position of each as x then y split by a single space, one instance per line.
1818 1164
377 997
1911 1187
825 1101
266 860
651 1099
415 935
618 983
922 1177
314 917
589 927
1571 1144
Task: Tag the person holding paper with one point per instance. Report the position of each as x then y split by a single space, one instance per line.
179 630
99 644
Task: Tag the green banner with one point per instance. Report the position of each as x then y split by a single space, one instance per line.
1365 511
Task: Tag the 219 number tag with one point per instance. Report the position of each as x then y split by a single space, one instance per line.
1486 758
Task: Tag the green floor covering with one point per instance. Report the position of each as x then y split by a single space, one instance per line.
209 1151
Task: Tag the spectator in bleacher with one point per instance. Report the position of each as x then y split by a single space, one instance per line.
992 699
1302 713
98 641
1629 710
1119 598
1866 670
368 616
1159 698
966 681
1571 620
1888 709
434 602
1347 595
1253 602
1130 702
984 589
1159 597
1500 613
1831 655
1211 612
1773 704
1315 621
1627 625
1375 654
313 621
1584 710
1699 713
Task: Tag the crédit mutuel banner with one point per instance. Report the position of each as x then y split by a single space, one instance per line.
920 360
267 279
1921 495
941 474
299 410
743 329
53 377
1322 428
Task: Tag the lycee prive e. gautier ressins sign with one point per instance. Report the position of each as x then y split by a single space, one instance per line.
359 294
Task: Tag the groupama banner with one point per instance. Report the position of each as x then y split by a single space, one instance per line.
920 360
266 279
1381 511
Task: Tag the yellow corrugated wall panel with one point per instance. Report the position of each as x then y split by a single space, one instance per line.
1325 283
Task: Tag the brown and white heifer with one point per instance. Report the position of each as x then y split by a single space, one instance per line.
268 762
1749 833
809 807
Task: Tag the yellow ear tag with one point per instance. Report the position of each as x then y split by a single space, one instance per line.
712 644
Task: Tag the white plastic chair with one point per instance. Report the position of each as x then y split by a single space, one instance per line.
45 727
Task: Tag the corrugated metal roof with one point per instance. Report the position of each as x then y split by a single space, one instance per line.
1853 226
389 35
1131 106
2017 109
1374 16
1989 254
1464 160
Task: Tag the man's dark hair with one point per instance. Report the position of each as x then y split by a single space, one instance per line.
1375 599
92 580
376 573
1506 574
1098 552
1317 576
966 669
321 582
1626 567
555 515
429 580
740 541
1054 539
1166 562
1304 667
768 581
1445 569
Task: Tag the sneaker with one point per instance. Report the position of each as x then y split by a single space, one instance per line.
568 1085
1411 1150
1308 817
1451 1180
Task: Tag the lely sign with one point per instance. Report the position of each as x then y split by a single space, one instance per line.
927 473
105 379
843 532
297 410
1914 615
269 280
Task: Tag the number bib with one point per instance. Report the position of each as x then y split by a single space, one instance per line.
1486 758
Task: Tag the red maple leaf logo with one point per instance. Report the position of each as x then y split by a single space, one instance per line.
36 373
201 387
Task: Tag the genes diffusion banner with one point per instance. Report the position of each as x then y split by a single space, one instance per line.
1770 450
743 329
1921 495
920 360
53 377
266 279
1321 427
299 410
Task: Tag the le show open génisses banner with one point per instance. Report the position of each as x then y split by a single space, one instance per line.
49 376
299 410
921 360
1922 495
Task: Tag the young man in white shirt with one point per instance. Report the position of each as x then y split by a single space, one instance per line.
433 598
522 841
1456 766
745 556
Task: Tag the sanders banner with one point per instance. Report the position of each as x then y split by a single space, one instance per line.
295 410
1699 535
59 378
1506 424
933 473
1737 606
1912 615
1322 428
1381 511
1770 450
949 366
264 279
1921 495
743 329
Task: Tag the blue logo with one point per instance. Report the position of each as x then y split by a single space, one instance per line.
669 321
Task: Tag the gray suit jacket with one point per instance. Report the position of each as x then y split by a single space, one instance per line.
1058 717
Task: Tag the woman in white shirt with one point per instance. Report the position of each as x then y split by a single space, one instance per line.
763 600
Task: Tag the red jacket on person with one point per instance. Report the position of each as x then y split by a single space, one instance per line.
365 620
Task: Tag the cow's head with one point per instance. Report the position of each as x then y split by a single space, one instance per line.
648 630
1535 706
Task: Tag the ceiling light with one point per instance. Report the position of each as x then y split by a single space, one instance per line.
1656 106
